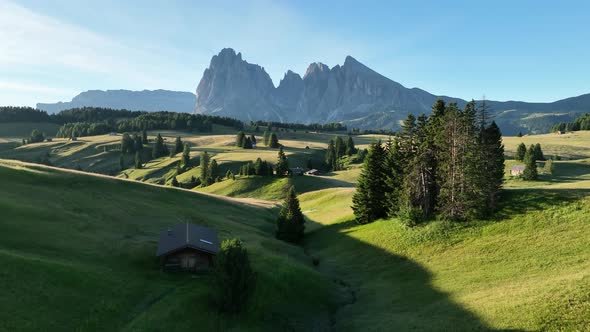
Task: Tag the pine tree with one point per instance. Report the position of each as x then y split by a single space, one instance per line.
240 138
290 222
175 182
36 137
137 143
258 166
538 152
178 146
330 157
493 171
273 141
247 143
144 137
204 168
393 177
548 168
520 152
213 171
159 148
234 280
339 147
252 140
282 166
138 161
24 142
530 165
186 156
350 149
122 162
127 144
519 134
369 198
309 165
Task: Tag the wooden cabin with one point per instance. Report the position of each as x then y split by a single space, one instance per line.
187 247
517 170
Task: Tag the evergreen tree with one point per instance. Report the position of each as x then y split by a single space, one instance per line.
144 137
137 143
122 162
493 170
330 157
520 152
178 146
175 182
24 142
519 134
548 168
339 147
159 149
247 143
240 139
213 171
282 166
234 280
393 177
265 138
530 165
186 156
309 165
252 140
290 222
350 149
369 198
258 166
127 144
36 137
273 141
538 152
204 168
138 161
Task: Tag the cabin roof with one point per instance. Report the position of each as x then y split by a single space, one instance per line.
187 235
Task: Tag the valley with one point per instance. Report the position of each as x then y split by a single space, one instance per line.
77 242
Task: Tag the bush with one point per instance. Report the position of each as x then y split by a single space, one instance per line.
233 279
410 216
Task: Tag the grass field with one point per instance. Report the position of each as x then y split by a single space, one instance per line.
78 252
528 268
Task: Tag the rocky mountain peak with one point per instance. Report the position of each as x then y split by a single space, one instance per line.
315 69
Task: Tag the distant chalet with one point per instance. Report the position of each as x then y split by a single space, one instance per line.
517 170
187 247
312 172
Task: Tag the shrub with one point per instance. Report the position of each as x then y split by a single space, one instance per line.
234 280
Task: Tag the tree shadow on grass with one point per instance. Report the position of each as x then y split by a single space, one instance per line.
386 292
520 201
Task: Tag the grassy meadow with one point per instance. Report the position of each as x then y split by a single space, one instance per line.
80 248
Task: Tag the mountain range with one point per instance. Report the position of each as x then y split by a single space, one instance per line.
350 93
146 100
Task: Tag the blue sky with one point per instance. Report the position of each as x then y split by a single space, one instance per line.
505 50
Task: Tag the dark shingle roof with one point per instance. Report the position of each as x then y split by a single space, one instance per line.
188 236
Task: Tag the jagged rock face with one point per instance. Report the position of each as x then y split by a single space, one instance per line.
352 93
146 100
233 87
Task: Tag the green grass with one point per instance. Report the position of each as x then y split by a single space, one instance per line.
528 270
90 265
78 253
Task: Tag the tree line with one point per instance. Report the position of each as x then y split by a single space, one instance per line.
580 123
335 126
450 164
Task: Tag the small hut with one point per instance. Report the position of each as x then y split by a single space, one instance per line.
517 170
312 172
187 247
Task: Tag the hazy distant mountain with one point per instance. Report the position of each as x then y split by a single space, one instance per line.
351 93
146 100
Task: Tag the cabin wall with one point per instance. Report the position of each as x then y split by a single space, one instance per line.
188 260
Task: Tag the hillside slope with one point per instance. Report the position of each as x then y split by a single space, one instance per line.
78 253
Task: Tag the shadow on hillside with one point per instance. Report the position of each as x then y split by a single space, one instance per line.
521 201
386 292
